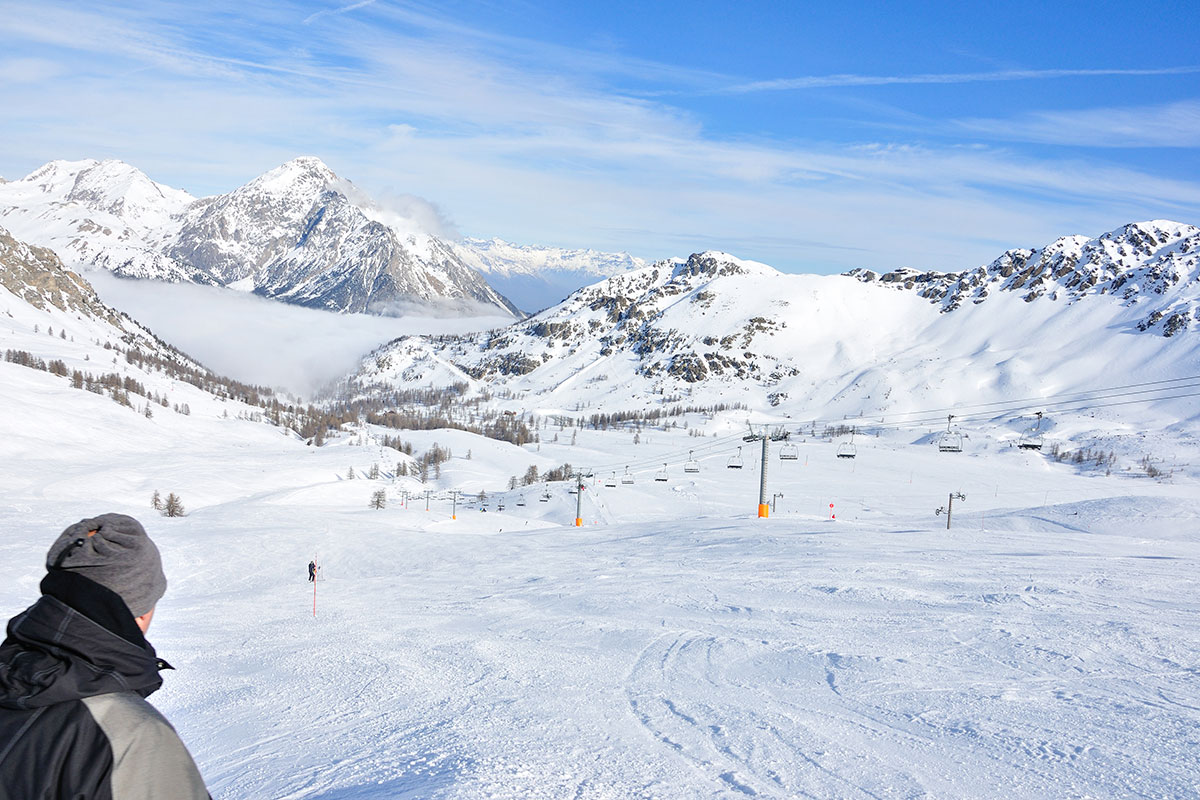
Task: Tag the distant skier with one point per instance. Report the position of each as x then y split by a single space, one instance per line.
312 571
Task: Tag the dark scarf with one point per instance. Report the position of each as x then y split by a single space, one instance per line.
79 640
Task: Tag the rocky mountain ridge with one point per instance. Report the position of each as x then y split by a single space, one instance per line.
666 327
291 234
715 328
37 276
1140 263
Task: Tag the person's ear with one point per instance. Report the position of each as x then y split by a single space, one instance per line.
143 622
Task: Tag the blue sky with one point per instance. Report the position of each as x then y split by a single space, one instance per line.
814 137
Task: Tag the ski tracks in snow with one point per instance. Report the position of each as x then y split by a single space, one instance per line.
682 690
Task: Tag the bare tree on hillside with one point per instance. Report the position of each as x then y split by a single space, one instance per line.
173 507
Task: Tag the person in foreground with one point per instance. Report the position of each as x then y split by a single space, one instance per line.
75 671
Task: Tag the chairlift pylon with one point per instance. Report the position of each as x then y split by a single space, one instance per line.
692 465
735 461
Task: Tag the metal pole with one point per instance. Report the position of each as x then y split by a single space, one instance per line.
427 499
762 479
454 507
950 506
578 499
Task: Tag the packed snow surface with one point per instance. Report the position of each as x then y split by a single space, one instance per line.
674 646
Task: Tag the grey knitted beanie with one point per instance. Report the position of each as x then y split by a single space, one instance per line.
114 551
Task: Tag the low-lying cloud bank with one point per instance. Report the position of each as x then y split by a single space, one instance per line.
265 341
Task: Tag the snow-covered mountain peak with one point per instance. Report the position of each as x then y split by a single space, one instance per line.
302 234
127 193
58 176
117 192
305 176
1162 230
231 236
714 263
98 214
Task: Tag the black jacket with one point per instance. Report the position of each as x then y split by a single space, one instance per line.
74 723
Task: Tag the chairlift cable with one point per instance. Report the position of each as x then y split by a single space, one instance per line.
1059 403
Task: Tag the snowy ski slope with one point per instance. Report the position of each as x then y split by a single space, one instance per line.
674 646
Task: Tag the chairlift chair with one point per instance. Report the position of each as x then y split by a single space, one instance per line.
611 483
847 449
789 452
545 498
692 465
950 441
735 461
661 475
627 478
1032 440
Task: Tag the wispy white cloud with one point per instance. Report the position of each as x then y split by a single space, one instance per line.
28 70
832 81
334 11
534 142
1171 125
403 213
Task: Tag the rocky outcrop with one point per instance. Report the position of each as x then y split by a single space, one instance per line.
37 276
1140 263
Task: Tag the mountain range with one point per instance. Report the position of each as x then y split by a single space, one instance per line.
297 233
1080 312
538 277
1121 308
